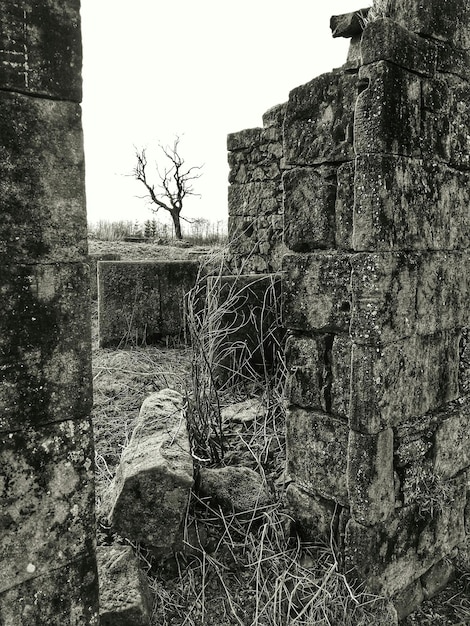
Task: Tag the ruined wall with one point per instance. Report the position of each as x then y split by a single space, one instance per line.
376 292
48 573
255 222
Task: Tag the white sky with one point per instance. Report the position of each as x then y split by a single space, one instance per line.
200 69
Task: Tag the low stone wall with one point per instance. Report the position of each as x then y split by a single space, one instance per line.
142 301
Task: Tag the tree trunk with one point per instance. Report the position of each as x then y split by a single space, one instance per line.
177 224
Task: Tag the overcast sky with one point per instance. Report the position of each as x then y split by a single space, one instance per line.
155 69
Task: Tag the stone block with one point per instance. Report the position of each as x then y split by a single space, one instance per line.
155 474
254 199
408 204
317 292
370 477
387 118
42 189
309 208
392 555
125 598
314 516
41 51
396 295
308 369
437 577
142 301
409 599
348 24
68 595
244 139
401 380
47 500
401 113
445 21
317 453
319 120
92 261
386 40
452 442
45 344
319 373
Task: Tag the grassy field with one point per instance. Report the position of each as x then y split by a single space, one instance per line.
246 569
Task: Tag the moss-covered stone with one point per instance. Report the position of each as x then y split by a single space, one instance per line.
402 380
68 595
309 208
42 181
317 446
47 500
45 344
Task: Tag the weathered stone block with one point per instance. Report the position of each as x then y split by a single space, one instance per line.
255 244
386 40
253 199
370 477
45 344
396 295
437 577
319 120
244 139
314 516
309 208
400 113
408 600
275 116
403 379
445 21
407 204
388 111
47 500
348 24
317 453
40 48
42 190
319 373
68 595
317 293
452 442
308 369
125 598
142 301
155 474
392 555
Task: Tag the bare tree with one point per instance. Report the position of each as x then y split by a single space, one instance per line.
175 182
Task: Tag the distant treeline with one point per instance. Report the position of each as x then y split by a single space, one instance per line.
197 231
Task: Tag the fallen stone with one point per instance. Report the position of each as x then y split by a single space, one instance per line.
155 474
236 489
125 598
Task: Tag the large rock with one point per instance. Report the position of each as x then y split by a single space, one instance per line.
155 474
125 598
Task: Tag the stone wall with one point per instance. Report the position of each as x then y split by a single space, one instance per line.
375 179
48 573
376 290
255 222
